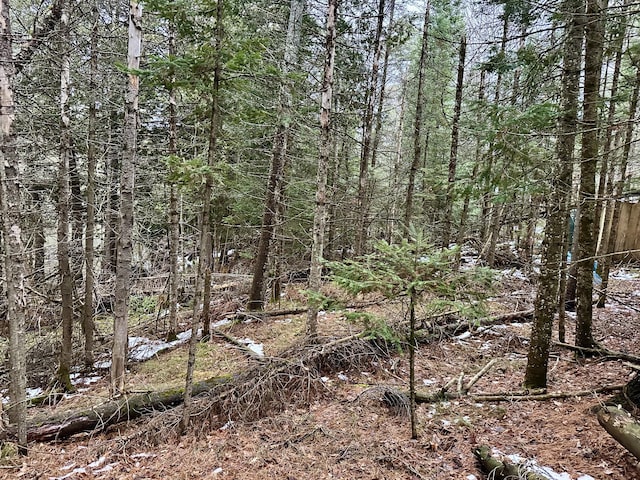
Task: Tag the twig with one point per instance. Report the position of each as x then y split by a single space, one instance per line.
479 375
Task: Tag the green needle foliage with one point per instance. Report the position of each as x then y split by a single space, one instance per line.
415 271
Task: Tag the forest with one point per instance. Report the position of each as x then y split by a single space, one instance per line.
325 238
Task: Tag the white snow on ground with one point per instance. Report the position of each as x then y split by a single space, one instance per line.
532 465
624 274
258 348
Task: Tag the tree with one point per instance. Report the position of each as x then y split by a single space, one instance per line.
127 180
64 208
320 213
88 326
204 263
594 33
418 120
419 274
278 155
453 157
11 210
552 247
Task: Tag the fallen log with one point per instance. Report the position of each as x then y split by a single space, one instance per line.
536 395
602 351
58 427
622 427
438 331
502 469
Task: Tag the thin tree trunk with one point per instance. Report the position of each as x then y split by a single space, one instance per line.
604 166
453 156
320 214
594 32
89 249
174 220
553 243
278 156
204 262
613 233
367 128
417 129
11 210
127 181
64 206
383 85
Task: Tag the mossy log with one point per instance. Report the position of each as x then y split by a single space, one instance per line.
65 424
622 427
501 469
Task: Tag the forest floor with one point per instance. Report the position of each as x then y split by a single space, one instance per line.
348 433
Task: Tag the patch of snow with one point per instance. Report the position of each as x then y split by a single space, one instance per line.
257 348
533 466
227 425
217 471
428 381
97 463
34 392
471 477
78 379
624 274
464 335
324 379
585 477
106 468
343 377
221 323
102 365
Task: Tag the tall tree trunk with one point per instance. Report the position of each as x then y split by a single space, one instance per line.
552 247
367 129
174 220
89 248
11 211
278 155
112 167
594 32
417 128
204 262
606 151
64 207
127 181
320 214
453 156
615 217
383 86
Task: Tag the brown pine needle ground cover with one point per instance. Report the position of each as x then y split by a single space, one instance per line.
347 431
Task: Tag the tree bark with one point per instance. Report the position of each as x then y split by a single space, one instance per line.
417 126
64 206
622 427
94 419
127 181
88 325
278 155
453 156
546 302
204 262
594 32
362 199
11 211
320 214
615 217
174 219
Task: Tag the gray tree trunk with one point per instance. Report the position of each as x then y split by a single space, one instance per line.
278 156
594 33
64 207
89 246
127 182
320 214
453 156
417 128
11 211
546 302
